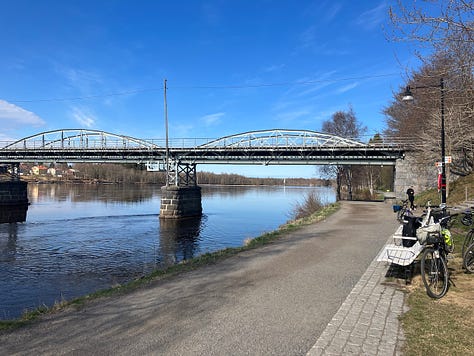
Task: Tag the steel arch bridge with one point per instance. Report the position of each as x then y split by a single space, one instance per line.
269 147
283 138
77 138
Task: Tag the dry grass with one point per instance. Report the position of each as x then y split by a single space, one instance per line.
311 204
444 326
457 192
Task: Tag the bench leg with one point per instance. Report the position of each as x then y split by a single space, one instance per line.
409 273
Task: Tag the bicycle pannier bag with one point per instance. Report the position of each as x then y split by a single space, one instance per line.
423 232
410 224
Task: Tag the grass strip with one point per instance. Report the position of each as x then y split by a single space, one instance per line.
435 328
445 326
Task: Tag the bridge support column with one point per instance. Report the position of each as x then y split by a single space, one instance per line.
13 198
181 197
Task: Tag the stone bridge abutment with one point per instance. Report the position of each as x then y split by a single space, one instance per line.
410 171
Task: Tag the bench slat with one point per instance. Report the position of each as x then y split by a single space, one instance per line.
400 255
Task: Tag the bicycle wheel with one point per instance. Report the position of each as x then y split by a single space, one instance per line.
400 214
468 259
434 273
469 239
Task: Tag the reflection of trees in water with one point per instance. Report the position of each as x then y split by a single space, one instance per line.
125 192
231 190
13 213
8 242
179 239
93 192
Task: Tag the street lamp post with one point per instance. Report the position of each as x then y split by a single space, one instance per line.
408 96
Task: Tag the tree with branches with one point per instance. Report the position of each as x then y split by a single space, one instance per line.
446 28
343 124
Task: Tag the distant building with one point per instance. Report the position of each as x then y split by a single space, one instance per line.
70 173
51 171
42 170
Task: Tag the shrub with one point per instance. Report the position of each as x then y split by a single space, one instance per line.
310 205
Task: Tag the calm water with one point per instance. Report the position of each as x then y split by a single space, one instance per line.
81 238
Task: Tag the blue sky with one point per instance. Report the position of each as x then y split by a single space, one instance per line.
231 67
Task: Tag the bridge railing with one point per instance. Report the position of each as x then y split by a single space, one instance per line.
185 143
74 139
102 144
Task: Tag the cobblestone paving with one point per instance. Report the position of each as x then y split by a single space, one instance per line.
367 322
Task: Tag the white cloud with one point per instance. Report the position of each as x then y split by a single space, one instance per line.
79 82
347 88
212 119
308 37
6 139
12 116
182 130
293 117
83 117
372 18
84 80
274 68
332 12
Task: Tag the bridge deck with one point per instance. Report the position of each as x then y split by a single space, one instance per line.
257 147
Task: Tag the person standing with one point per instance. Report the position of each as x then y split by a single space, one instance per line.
411 197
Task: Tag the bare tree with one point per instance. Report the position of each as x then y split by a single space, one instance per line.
343 124
446 27
435 23
419 123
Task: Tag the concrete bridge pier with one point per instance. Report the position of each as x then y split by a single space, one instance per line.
181 196
13 198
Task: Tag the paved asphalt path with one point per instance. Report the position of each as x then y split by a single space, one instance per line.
272 300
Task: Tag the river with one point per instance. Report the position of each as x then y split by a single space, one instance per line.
78 239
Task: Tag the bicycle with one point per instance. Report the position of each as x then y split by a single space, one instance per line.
468 259
403 210
469 239
467 252
434 265
432 240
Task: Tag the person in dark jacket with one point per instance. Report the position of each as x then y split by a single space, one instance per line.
411 197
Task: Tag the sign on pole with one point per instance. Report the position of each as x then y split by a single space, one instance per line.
155 167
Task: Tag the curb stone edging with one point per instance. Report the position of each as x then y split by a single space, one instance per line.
367 323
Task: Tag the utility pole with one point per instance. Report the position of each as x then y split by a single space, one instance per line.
166 129
443 148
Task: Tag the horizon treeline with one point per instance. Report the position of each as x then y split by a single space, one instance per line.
131 173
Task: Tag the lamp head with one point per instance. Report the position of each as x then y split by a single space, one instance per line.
408 95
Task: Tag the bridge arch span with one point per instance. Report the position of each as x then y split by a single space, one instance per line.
79 138
282 138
